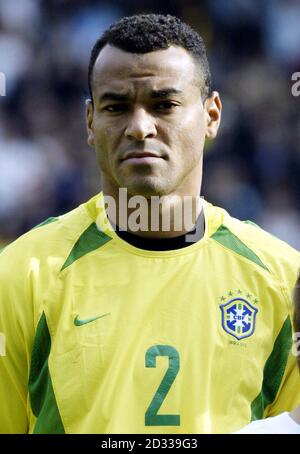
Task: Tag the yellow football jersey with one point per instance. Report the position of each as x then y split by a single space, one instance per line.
99 336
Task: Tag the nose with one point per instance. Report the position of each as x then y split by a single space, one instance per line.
140 126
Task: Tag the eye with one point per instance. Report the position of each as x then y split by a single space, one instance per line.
116 108
166 105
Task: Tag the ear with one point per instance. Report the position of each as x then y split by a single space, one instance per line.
90 122
213 109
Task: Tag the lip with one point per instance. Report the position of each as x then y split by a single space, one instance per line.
143 155
140 160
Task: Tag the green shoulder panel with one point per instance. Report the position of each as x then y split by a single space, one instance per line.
225 237
47 221
90 240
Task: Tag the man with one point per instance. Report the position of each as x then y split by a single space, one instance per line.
116 324
285 423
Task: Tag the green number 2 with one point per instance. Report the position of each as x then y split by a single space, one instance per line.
151 416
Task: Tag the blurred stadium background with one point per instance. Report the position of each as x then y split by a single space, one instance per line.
46 167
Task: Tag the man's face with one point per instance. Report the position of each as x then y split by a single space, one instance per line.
148 123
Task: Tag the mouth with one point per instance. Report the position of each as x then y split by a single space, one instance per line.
141 157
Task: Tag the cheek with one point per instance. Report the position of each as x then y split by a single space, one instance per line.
191 137
103 140
109 138
101 135
191 127
189 141
102 147
106 144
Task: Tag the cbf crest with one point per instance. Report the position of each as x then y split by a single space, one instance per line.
238 318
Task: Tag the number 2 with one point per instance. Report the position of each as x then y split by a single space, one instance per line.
151 416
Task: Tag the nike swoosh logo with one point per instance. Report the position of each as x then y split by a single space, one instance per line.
80 322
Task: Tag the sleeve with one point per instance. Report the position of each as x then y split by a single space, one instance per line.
286 372
280 389
288 396
16 328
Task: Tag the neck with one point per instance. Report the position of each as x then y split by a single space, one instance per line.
168 216
295 414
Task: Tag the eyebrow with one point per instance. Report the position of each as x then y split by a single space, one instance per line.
112 96
165 92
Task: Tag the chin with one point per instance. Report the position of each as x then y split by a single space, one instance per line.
147 188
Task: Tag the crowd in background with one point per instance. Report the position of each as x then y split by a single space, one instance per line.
46 167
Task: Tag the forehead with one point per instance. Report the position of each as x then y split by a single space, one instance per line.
173 67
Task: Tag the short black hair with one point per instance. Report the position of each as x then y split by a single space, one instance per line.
149 32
